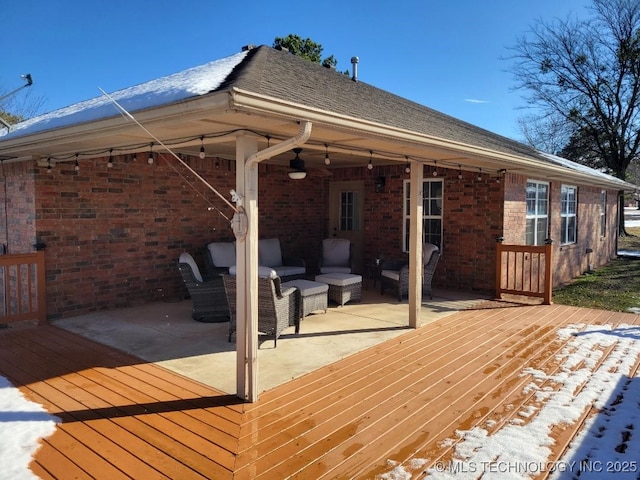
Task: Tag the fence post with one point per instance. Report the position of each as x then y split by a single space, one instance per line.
499 250
42 292
548 277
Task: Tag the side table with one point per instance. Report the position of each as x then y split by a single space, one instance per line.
372 271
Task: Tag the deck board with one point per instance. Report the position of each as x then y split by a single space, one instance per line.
124 418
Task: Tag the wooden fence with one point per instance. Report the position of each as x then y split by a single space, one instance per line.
22 288
524 270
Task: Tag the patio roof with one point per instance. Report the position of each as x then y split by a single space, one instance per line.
401 404
266 92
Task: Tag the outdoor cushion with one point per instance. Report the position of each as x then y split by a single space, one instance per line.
269 252
263 272
288 271
223 254
392 274
339 279
188 259
307 287
427 251
335 252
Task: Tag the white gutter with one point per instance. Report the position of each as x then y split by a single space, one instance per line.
248 101
302 136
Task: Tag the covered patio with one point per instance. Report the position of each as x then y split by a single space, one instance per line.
164 333
390 409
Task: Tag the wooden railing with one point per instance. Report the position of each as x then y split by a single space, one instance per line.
524 270
22 288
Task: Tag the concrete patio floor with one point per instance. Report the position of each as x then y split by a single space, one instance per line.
165 334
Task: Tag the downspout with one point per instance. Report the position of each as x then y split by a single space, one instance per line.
303 135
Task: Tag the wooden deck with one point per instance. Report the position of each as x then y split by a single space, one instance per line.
123 418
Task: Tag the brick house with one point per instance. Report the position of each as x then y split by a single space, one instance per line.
78 181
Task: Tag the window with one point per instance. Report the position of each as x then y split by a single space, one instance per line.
603 214
431 213
568 209
537 198
349 209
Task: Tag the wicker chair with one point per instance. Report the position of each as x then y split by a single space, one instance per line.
396 275
278 308
337 256
209 301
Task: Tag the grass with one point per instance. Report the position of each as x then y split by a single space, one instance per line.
615 286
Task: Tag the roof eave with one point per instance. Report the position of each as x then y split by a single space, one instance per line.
254 102
95 129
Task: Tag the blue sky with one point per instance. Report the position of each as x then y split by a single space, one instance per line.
445 54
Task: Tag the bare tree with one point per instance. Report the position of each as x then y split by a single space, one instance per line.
549 133
588 72
18 104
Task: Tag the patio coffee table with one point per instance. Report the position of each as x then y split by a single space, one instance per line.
313 295
343 287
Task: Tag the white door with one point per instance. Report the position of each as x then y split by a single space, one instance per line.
346 201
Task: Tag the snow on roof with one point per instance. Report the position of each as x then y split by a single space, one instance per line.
162 91
579 167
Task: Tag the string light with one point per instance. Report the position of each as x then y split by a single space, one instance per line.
327 160
110 162
202 154
370 165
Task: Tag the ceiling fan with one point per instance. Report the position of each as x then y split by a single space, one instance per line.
298 169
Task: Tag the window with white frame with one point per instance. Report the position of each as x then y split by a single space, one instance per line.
603 213
431 212
537 199
568 213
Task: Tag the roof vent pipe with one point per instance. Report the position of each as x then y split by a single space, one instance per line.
354 62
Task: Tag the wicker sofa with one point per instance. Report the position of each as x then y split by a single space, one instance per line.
221 258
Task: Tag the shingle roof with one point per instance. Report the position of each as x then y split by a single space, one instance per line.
283 76
279 74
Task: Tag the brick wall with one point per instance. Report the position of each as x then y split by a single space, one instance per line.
17 218
472 219
569 261
114 235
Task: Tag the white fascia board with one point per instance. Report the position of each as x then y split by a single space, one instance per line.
116 124
251 102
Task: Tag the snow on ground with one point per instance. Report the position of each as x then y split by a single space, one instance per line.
606 447
23 424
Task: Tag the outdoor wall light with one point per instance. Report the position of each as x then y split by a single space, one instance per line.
327 160
379 185
150 159
110 162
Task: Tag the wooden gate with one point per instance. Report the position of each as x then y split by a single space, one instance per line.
22 288
524 270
